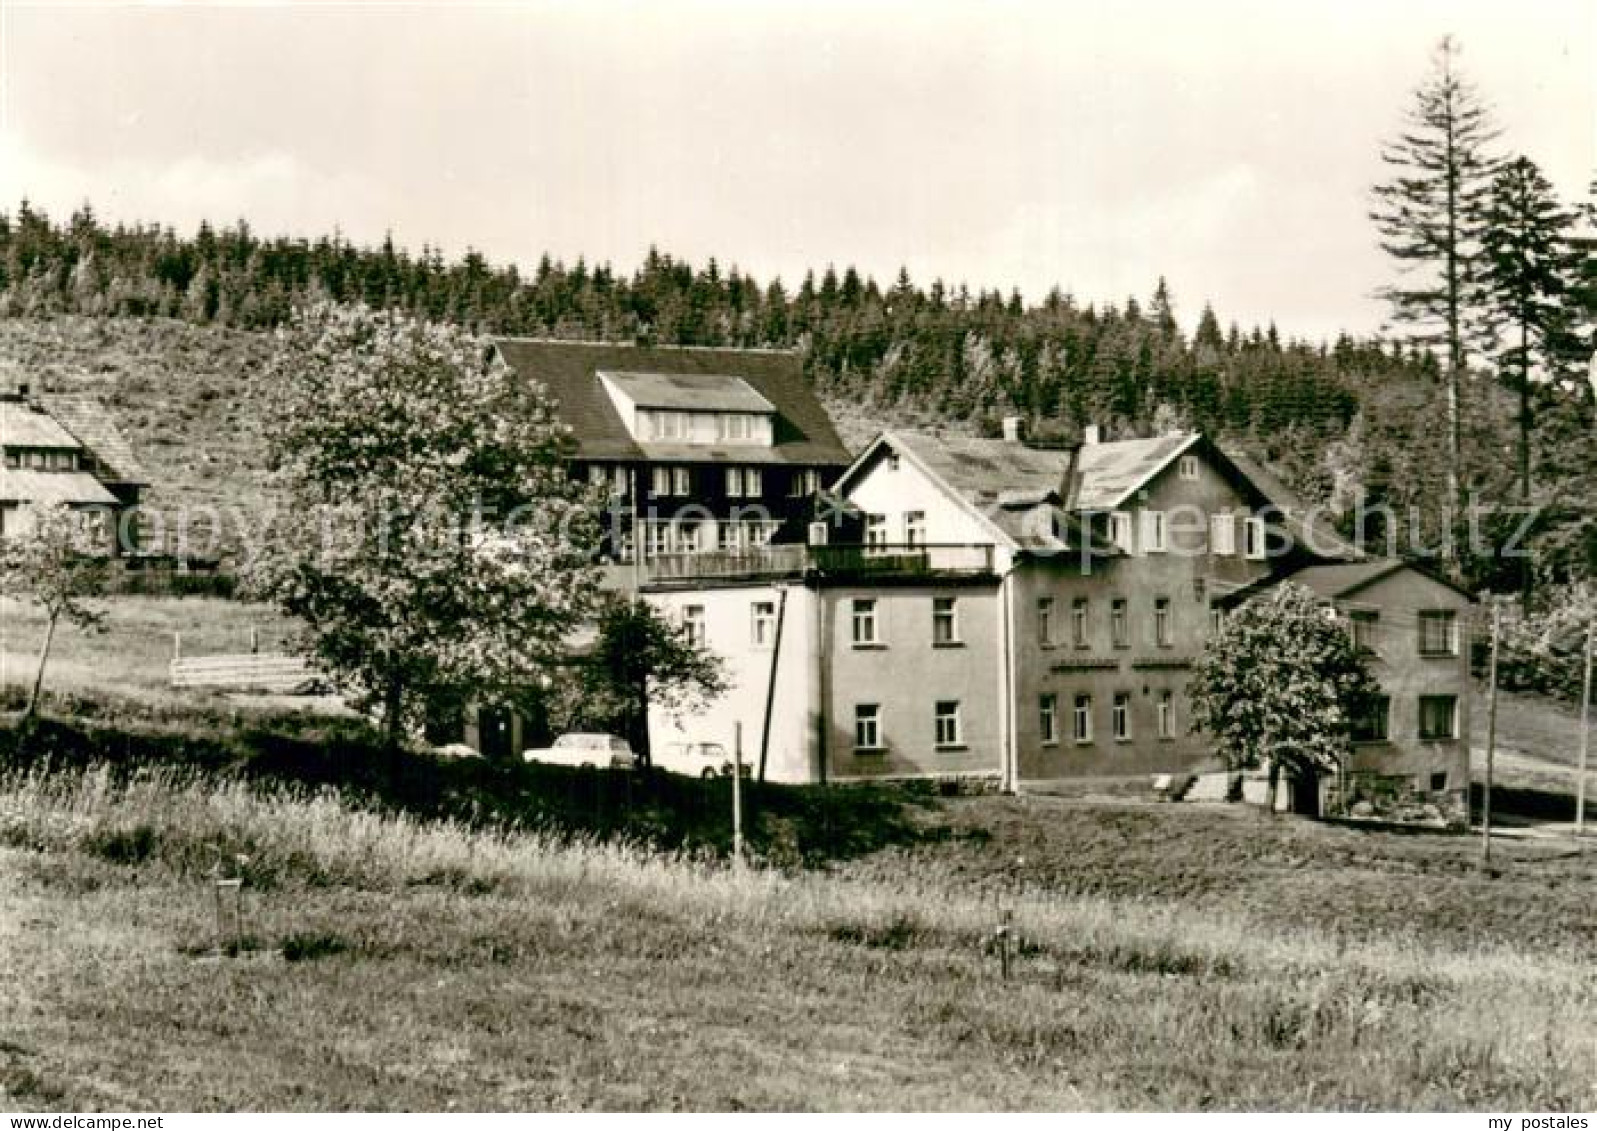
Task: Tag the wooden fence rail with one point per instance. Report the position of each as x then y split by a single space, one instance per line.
263 671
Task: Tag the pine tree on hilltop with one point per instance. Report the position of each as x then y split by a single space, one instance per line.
1526 289
1424 214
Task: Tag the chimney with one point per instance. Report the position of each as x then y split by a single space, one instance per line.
1014 429
1090 435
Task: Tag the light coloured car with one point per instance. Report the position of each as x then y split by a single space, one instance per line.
585 751
696 759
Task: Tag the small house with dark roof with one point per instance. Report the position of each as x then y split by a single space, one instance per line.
1409 624
704 450
60 449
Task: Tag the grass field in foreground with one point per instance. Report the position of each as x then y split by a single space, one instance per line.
394 964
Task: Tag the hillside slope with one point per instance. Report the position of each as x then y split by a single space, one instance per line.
191 399
188 398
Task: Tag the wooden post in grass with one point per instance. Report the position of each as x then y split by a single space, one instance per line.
1004 918
1491 741
737 795
1585 736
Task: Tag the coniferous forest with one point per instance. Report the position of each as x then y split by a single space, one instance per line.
1340 421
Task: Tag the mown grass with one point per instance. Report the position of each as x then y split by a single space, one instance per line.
391 962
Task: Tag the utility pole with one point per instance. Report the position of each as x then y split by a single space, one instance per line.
1585 733
737 795
1491 740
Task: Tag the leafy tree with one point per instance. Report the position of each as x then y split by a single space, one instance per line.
1280 684
1526 286
437 548
1440 170
59 564
639 659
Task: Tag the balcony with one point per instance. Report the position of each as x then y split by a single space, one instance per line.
852 562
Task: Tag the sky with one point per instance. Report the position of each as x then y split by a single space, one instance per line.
1227 145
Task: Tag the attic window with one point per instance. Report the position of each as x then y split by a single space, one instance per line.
1189 467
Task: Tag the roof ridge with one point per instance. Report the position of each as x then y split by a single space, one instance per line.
602 343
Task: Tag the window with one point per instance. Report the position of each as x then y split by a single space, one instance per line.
1078 622
876 532
1438 717
1166 713
762 623
1048 719
1161 621
1438 633
1223 534
597 475
947 724
804 483
1153 532
1439 781
36 461
1082 720
867 726
735 426
1372 723
1120 717
1119 635
669 425
658 538
1253 540
669 481
1045 621
1120 530
1362 625
945 621
914 528
744 483
1216 619
865 621
13 459
1189 467
693 622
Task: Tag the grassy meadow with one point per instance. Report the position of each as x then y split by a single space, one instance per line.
387 961
418 933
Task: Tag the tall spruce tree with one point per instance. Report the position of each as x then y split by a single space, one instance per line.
1424 214
1526 287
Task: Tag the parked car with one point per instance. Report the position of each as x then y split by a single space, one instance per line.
587 751
697 759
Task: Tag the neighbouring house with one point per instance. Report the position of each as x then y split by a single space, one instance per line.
1409 624
1026 615
60 448
704 451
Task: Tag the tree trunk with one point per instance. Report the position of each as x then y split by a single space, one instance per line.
38 676
1275 784
1525 578
393 711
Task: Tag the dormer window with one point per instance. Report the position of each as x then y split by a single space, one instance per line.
690 408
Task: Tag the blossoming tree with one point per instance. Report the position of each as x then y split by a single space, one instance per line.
433 544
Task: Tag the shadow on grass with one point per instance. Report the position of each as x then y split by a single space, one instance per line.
786 826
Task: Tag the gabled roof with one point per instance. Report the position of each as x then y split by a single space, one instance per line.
1000 482
23 426
71 487
1110 473
1337 581
704 392
1308 528
88 420
803 433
